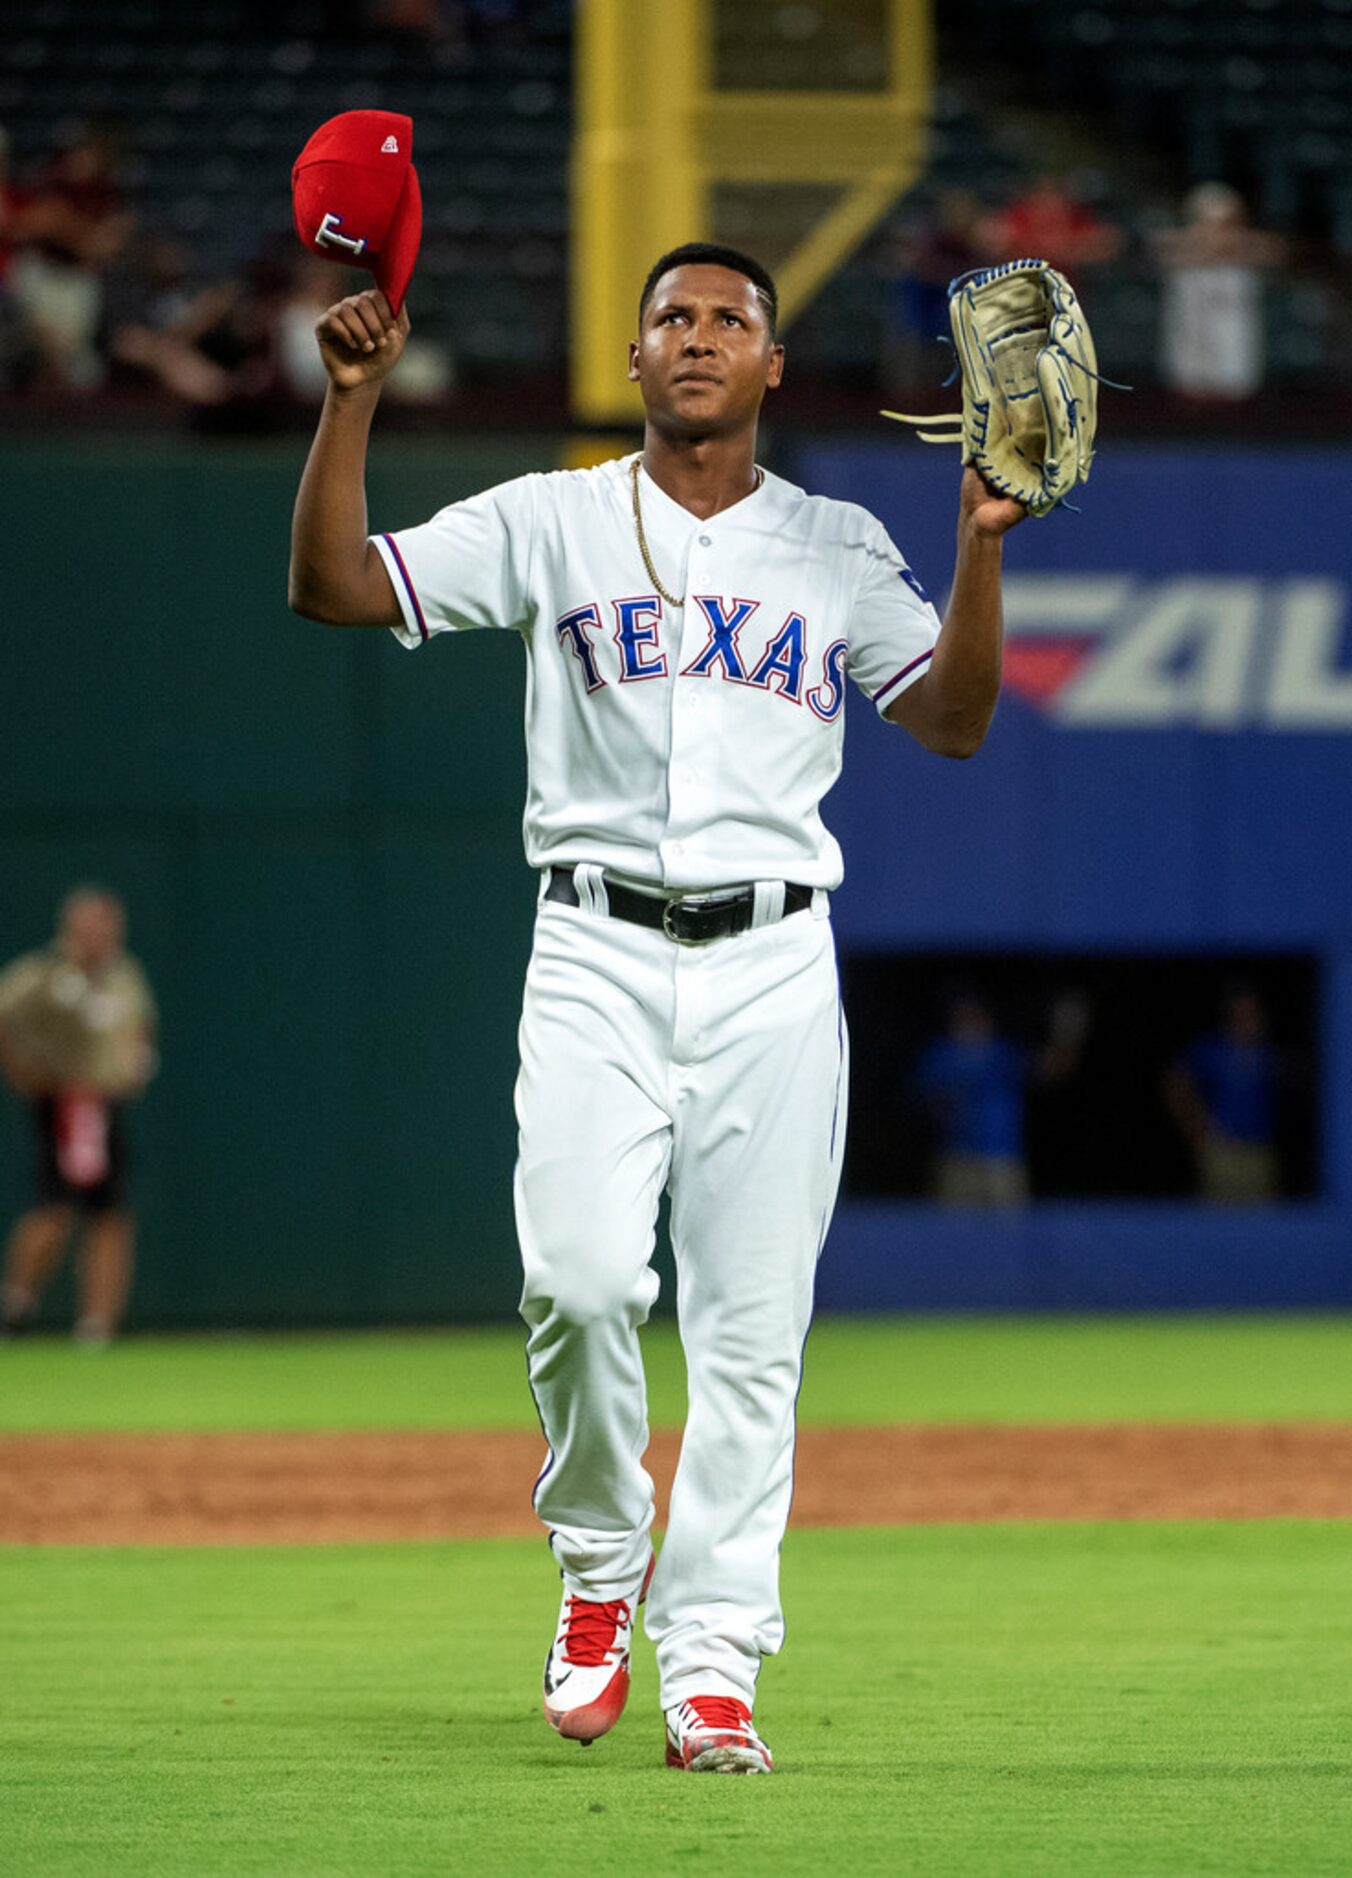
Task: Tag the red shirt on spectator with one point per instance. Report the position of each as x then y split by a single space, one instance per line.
1050 224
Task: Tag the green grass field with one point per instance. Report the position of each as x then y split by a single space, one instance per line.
859 1372
1022 1700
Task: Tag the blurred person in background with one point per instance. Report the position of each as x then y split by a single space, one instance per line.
220 349
1212 341
1222 1092
971 1079
930 250
77 1043
71 227
207 345
1052 221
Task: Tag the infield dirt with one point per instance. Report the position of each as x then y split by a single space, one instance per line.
199 1489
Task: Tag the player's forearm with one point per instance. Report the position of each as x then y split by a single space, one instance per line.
331 559
950 709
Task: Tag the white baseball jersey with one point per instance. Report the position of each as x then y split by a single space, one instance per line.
688 748
685 748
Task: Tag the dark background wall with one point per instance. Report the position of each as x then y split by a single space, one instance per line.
317 834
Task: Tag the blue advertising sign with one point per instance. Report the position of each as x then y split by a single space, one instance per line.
1170 769
1170 762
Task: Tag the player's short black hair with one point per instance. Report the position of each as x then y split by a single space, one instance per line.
714 254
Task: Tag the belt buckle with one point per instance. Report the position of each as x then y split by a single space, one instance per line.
675 908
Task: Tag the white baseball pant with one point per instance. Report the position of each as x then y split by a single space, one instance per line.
720 1070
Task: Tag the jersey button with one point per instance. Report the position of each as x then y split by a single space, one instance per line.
706 541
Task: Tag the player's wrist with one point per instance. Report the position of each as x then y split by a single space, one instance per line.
980 537
365 392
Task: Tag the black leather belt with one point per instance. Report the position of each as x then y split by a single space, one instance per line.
689 922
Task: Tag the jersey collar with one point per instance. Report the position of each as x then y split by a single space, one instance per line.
653 493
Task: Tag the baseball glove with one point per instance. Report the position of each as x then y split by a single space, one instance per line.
1029 383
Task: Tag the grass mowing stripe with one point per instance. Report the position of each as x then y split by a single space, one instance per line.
860 1371
1099 1702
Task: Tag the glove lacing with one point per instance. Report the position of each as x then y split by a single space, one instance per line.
946 426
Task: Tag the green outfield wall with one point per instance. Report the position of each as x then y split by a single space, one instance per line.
318 837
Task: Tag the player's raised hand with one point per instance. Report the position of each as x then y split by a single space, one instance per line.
360 340
987 512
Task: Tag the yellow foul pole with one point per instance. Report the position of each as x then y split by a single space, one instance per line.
654 138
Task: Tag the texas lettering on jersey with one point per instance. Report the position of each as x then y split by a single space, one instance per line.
780 664
648 749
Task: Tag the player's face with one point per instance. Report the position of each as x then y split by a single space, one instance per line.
704 357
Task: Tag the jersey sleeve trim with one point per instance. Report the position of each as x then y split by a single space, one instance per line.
409 588
883 694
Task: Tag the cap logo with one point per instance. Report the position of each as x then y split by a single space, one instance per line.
390 147
327 236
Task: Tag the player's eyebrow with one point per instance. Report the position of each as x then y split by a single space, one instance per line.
660 307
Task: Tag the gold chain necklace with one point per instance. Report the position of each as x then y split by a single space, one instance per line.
670 598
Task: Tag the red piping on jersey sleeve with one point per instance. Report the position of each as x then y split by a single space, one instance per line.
896 677
408 585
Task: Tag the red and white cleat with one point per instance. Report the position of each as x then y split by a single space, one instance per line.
714 1734
587 1669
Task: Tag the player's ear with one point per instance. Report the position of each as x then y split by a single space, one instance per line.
633 360
776 369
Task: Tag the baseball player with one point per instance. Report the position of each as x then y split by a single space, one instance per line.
690 624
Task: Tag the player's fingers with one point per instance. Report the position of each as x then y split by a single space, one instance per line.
334 330
375 297
373 310
345 326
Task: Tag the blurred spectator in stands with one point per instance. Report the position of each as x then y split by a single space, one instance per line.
16 345
153 282
1222 1093
1054 222
929 251
77 1042
971 1080
71 226
207 346
215 348
163 320
1211 330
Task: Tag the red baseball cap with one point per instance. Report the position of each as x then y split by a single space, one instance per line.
356 200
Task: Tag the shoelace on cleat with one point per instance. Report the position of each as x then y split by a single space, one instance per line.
589 1630
722 1712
